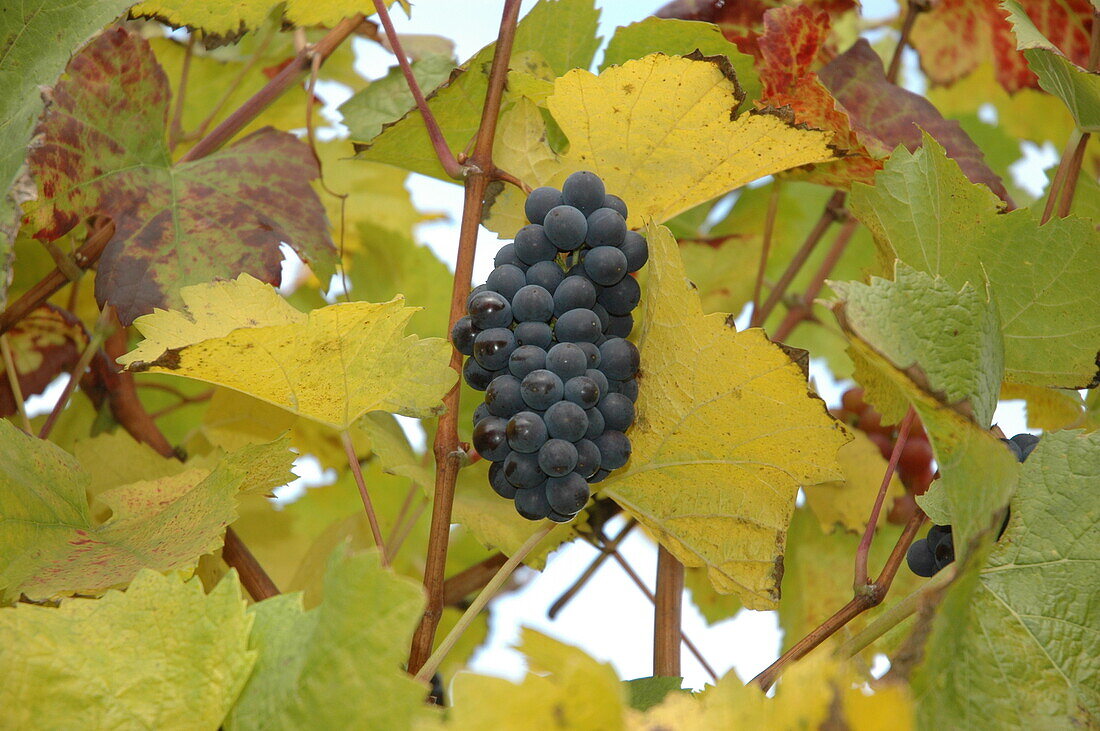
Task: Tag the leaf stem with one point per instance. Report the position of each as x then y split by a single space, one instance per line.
769 227
399 536
604 554
801 311
448 456
185 400
1073 173
175 129
254 579
357 472
667 613
99 334
427 670
861 577
913 9
13 382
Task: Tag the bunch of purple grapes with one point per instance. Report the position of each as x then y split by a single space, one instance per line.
546 335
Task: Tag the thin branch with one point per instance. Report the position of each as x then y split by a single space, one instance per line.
507 177
1060 175
99 334
803 310
175 129
13 382
401 514
1073 173
913 9
769 227
427 670
588 573
398 539
666 614
357 472
184 401
442 151
448 455
254 579
864 549
458 587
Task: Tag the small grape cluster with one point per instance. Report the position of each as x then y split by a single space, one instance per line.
927 556
547 338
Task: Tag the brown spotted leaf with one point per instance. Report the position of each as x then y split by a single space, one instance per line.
103 151
44 344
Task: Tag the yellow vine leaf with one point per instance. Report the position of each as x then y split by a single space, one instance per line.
164 654
229 17
727 431
331 365
847 503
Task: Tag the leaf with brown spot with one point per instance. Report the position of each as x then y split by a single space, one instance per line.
44 344
103 151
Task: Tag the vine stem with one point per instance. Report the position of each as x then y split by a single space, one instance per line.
175 129
448 455
913 8
102 329
459 586
769 228
861 577
357 472
13 382
427 670
435 134
604 554
667 614
800 312
253 577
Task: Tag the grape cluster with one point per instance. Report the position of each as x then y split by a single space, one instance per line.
546 335
928 555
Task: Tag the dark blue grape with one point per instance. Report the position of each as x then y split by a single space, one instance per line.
600 379
541 389
490 309
588 458
558 517
574 293
605 265
605 318
606 227
565 420
522 470
636 249
615 203
546 274
526 432
463 334
503 398
507 255
557 457
621 298
628 388
618 359
619 326
566 361
532 504
506 279
532 303
473 293
539 203
481 412
577 326
595 423
477 377
526 358
582 391
592 352
499 482
614 449
941 544
583 190
492 348
1026 443
568 494
532 245
534 333
600 476
618 411
920 559
566 227
491 439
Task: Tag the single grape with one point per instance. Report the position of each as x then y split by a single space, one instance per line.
618 359
1012 447
507 255
490 309
606 227
532 245
619 326
636 249
557 457
605 318
1026 443
491 439
614 449
920 559
621 298
463 334
532 303
526 358
546 274
499 482
943 550
534 333
617 410
481 412
629 388
566 360
503 397
588 458
871 421
522 470
852 400
605 265
539 203
568 494
492 348
506 279
566 227
577 326
601 380
526 432
541 389
532 504
565 420
582 391
574 293
584 190
595 423
600 476
591 352
473 293
477 377
558 517
915 456
615 203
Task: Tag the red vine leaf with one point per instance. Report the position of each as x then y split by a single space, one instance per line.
103 151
